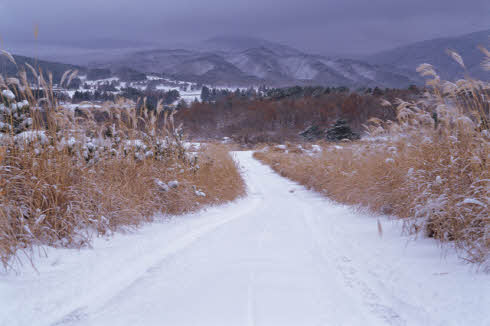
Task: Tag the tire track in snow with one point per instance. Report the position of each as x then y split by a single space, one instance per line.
84 310
276 258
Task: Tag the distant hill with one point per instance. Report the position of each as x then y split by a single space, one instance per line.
434 52
246 61
250 61
7 68
242 43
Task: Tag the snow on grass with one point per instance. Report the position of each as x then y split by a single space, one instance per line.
32 136
8 94
191 146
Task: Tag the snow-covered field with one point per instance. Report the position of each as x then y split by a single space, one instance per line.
282 256
188 91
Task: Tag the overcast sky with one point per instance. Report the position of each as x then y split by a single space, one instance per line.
326 26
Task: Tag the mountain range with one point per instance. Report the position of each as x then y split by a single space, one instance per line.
236 61
245 61
433 51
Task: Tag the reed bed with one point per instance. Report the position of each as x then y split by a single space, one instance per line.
429 167
68 175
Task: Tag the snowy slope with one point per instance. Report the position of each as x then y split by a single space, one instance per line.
434 52
282 256
277 67
255 62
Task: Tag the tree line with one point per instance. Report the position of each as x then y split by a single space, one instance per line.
270 115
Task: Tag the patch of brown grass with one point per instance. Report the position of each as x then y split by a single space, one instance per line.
50 200
66 178
429 167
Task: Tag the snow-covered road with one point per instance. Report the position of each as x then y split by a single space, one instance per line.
281 256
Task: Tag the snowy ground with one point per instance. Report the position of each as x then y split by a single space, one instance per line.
188 91
281 256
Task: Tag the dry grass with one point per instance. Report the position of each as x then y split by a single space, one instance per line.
65 178
429 167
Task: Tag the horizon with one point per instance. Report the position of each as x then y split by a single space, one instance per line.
332 27
108 44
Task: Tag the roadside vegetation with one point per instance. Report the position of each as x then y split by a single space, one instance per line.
67 175
429 165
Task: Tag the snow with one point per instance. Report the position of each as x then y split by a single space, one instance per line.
340 68
70 106
150 77
32 136
299 68
135 143
246 63
281 256
173 184
364 71
188 90
199 193
89 106
70 93
4 125
192 145
8 94
316 148
162 185
101 81
473 201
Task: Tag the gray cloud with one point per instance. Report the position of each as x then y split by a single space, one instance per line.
334 26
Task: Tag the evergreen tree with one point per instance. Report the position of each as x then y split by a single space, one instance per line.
205 94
